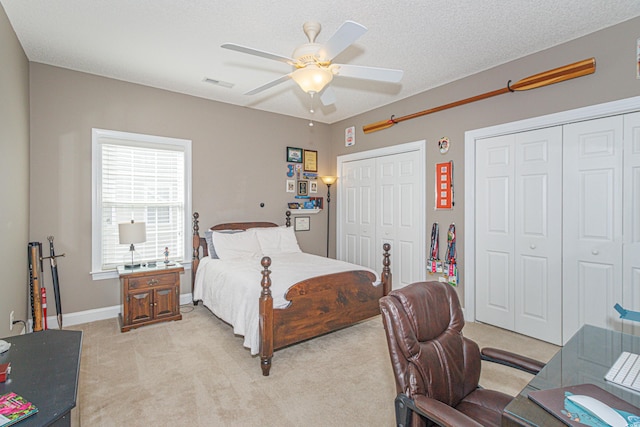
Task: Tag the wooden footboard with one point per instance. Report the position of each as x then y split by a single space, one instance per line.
317 306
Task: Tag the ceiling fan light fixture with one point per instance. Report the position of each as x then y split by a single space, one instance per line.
312 78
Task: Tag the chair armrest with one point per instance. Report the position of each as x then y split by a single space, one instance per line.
436 411
513 360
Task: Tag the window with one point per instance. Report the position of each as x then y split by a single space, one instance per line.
142 178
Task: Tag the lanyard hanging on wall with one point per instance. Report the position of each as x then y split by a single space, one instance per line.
434 263
450 267
451 244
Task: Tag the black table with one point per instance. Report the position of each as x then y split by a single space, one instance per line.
585 358
44 370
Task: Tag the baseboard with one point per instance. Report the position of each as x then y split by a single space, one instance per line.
71 319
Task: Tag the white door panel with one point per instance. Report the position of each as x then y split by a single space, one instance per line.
631 219
358 200
494 228
400 190
538 234
592 223
518 232
596 294
382 200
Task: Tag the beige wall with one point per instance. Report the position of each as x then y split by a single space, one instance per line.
615 52
14 175
238 153
238 163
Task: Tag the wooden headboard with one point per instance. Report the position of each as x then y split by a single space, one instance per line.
242 225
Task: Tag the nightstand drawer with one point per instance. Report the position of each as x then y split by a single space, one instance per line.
152 281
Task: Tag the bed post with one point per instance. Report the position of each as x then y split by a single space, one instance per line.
196 252
266 318
386 270
287 222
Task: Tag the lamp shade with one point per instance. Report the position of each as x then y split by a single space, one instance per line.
329 180
132 232
312 78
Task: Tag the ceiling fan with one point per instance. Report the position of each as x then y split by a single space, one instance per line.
312 63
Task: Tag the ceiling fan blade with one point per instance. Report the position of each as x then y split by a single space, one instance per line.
269 85
347 34
256 52
369 73
328 96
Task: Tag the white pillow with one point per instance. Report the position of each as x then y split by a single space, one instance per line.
269 239
276 240
236 245
288 240
210 247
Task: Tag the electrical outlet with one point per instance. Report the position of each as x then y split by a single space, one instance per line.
11 319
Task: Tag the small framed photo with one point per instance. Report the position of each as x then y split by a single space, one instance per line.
291 186
294 155
302 223
310 158
303 187
313 186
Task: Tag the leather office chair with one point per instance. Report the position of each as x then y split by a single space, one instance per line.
437 369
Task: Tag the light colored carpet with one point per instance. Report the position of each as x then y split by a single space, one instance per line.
195 372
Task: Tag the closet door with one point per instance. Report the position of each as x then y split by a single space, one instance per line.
495 242
399 204
359 207
538 234
592 223
382 201
631 220
518 226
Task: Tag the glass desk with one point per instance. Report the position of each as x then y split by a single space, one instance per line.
585 358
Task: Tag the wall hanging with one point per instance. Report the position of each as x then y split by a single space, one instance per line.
571 71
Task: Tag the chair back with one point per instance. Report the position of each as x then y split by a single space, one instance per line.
423 322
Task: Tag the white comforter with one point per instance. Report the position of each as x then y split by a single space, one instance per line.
231 288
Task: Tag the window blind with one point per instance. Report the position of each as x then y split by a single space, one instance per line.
144 183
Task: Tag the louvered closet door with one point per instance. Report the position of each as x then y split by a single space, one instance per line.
359 209
592 223
631 219
519 249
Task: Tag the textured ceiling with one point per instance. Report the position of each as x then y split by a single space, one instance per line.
175 44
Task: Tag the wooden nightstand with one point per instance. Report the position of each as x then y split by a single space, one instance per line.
149 295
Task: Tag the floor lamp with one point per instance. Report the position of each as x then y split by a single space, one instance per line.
328 180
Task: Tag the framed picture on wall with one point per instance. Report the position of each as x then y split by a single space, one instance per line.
302 223
310 161
303 187
294 155
313 186
291 186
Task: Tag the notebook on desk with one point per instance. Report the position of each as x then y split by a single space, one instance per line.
556 403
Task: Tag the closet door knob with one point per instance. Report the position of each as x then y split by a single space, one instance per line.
595 252
532 246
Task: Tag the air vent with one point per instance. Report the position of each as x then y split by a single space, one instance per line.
218 82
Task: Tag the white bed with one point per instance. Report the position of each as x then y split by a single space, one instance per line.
253 276
230 285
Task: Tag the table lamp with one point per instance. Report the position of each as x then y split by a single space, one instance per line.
130 233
